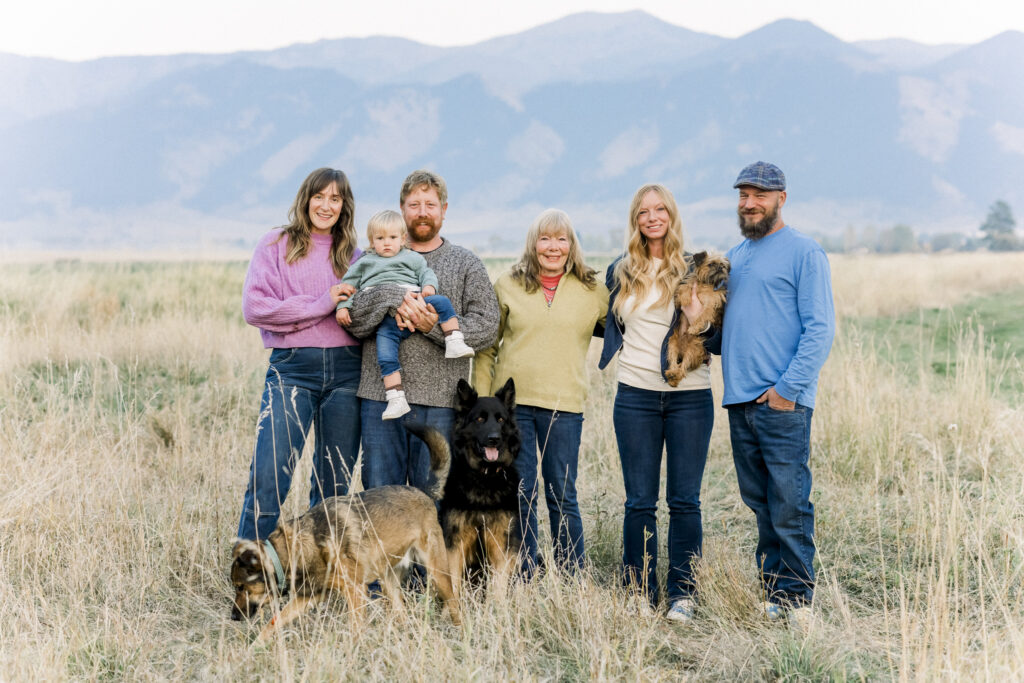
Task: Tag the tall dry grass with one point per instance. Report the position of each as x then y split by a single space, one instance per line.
128 398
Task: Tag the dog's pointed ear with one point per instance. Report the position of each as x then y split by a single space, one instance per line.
699 258
465 394
249 560
243 550
507 394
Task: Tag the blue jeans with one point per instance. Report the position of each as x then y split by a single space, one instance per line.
771 449
303 386
392 455
390 335
556 437
646 423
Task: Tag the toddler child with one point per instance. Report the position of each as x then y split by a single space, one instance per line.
391 262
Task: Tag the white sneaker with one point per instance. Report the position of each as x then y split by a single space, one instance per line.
772 611
681 610
455 346
802 619
640 606
397 405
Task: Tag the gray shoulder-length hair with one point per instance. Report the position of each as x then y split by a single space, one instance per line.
551 222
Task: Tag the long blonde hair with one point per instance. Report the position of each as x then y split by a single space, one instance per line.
633 272
551 222
343 232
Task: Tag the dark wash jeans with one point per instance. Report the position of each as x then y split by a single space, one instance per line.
554 436
303 386
771 449
392 455
648 423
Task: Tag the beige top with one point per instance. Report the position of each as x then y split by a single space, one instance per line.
646 327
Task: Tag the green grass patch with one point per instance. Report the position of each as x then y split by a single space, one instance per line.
932 337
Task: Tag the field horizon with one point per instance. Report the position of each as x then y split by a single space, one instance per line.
129 392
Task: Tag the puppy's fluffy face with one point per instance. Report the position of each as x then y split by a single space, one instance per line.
711 269
486 426
250 579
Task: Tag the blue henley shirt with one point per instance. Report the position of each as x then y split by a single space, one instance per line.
779 321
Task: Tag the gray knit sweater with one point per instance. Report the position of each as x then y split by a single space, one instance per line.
429 379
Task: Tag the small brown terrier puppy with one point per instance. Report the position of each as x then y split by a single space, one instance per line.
686 349
346 542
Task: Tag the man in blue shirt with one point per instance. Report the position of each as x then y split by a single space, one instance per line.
777 333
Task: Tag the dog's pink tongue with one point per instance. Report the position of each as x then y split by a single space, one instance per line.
490 453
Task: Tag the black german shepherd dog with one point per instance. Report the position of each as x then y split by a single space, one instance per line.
480 507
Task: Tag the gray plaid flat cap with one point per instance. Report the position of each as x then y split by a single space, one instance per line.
763 175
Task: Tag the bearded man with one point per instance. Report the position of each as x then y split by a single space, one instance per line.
778 330
391 455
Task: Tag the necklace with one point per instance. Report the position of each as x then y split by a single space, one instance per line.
549 292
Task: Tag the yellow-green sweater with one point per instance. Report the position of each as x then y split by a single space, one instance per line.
543 348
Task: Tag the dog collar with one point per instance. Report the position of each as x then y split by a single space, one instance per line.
278 569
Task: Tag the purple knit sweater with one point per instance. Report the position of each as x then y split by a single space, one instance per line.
291 304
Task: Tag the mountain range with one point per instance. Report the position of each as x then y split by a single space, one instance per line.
195 150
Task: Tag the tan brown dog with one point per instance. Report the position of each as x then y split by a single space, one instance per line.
346 542
686 349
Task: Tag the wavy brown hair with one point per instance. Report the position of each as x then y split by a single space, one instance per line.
343 232
633 271
551 222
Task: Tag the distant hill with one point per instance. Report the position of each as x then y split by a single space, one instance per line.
209 149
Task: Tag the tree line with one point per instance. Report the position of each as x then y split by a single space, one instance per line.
997 233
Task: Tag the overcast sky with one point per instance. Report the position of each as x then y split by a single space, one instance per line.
85 29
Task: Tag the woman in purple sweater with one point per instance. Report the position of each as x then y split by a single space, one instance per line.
290 293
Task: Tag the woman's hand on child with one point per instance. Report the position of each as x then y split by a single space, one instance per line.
341 292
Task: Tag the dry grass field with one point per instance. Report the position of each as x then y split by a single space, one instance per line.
128 399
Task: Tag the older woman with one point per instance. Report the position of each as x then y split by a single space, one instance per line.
550 304
290 293
649 415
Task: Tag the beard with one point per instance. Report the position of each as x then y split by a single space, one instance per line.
758 229
423 230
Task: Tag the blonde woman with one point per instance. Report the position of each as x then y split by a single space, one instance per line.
550 304
290 294
651 417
